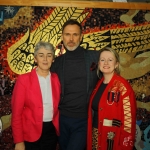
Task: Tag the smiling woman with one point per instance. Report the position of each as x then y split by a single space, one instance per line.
112 107
35 109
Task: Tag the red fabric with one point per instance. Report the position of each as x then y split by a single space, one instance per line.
27 107
123 110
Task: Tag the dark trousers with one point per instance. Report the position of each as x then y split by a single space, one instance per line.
47 141
73 133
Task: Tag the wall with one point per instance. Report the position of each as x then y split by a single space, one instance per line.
123 26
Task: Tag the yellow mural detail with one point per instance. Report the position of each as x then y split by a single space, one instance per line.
18 19
20 55
17 58
134 67
127 114
143 105
6 121
127 41
96 40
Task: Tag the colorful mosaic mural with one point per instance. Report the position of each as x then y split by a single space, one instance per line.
127 31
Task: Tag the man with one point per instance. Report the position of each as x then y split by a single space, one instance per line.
78 78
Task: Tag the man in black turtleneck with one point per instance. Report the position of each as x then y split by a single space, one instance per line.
77 82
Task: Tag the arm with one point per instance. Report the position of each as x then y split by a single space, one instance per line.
17 103
127 137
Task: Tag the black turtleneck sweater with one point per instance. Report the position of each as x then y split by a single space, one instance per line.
75 94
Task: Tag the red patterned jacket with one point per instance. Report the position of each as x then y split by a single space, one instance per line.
116 116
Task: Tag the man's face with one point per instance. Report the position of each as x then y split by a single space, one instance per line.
71 37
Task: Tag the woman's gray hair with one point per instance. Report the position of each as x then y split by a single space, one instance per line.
117 70
46 45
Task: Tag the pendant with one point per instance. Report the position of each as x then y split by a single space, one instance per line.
110 135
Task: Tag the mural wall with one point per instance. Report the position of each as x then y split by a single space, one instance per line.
126 31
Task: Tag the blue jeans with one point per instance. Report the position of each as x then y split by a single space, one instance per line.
73 133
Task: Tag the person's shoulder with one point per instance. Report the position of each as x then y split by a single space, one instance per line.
58 58
123 81
26 75
53 74
120 78
92 51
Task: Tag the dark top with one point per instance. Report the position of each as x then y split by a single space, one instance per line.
74 101
95 103
77 80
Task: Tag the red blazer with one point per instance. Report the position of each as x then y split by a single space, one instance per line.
27 107
117 104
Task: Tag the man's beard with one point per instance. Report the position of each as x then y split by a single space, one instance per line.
71 48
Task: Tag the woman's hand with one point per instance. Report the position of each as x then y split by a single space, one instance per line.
20 146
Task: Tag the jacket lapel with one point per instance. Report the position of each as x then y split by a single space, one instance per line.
53 89
35 86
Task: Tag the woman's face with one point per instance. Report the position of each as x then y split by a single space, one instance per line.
44 59
107 62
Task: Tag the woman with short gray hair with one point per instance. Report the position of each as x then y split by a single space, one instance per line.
35 102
